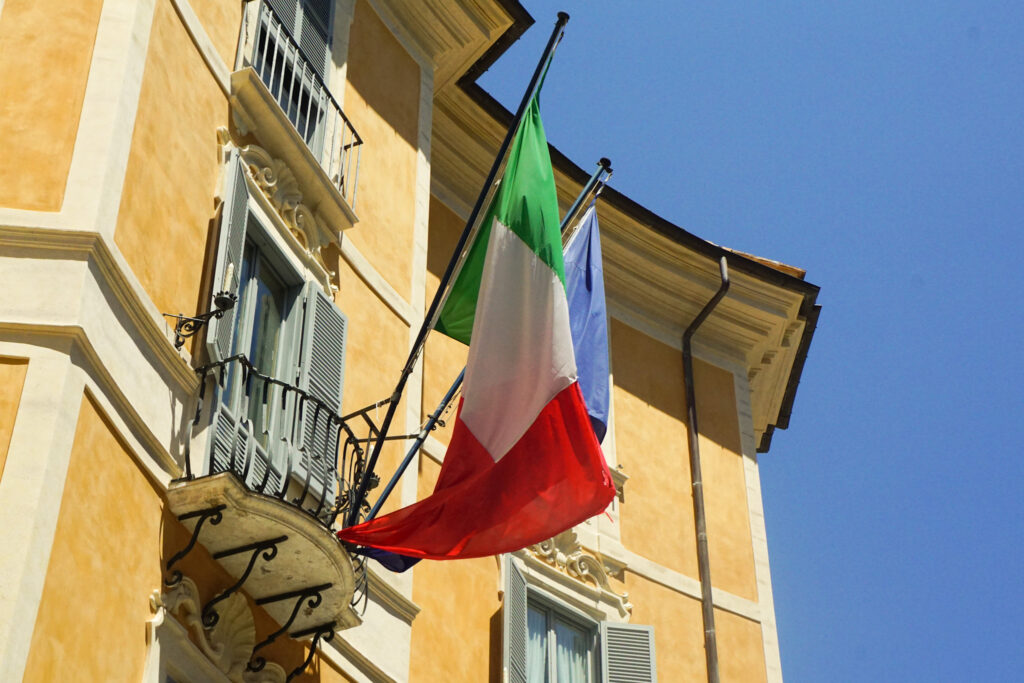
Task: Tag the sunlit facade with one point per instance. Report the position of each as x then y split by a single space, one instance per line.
221 224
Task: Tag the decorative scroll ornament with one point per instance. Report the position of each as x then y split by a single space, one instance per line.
229 643
278 183
565 553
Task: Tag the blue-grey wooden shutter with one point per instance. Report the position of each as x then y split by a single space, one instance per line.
228 269
314 34
513 615
309 23
286 12
322 375
627 653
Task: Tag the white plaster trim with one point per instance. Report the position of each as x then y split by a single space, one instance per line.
152 328
103 143
376 282
352 662
704 350
30 493
390 598
203 44
403 37
450 199
418 284
344 13
758 534
434 450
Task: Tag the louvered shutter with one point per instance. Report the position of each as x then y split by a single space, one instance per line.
309 23
514 617
627 653
228 269
286 12
322 364
314 34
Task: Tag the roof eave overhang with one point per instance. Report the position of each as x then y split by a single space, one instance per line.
658 275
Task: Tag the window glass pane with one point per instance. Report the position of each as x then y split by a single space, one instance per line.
264 346
572 653
537 645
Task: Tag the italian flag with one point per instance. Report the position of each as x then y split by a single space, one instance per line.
523 463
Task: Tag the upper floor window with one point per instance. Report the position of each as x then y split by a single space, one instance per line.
288 46
293 58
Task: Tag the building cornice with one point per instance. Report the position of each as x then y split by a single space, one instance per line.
657 272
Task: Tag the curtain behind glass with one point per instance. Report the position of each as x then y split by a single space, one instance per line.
571 653
536 646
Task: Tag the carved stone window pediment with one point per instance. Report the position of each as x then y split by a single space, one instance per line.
566 554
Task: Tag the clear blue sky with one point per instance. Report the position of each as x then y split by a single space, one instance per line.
880 146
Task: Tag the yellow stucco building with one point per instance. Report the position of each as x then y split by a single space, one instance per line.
304 168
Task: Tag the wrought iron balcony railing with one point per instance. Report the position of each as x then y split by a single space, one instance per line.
298 86
278 439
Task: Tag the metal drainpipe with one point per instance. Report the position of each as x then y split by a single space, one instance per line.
704 566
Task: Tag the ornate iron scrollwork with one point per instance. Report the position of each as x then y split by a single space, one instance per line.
319 633
215 515
186 327
314 596
269 550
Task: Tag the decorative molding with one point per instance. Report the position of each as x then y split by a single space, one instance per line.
229 644
565 553
390 598
278 183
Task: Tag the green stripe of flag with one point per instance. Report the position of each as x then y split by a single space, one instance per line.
526 202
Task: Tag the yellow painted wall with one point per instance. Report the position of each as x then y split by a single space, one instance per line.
104 564
740 649
382 101
376 349
113 536
730 547
12 380
443 357
678 628
457 635
221 21
173 168
45 51
650 444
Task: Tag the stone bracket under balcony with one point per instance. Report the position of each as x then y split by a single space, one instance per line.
276 551
255 110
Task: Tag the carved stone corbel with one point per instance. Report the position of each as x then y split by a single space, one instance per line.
229 644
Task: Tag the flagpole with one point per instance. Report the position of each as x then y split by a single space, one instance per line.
604 166
456 261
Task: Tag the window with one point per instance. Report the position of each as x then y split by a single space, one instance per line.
287 329
293 58
546 641
559 648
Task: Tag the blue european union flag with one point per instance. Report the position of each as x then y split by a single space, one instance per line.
584 283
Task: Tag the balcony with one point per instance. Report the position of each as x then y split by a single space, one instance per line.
276 468
280 97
